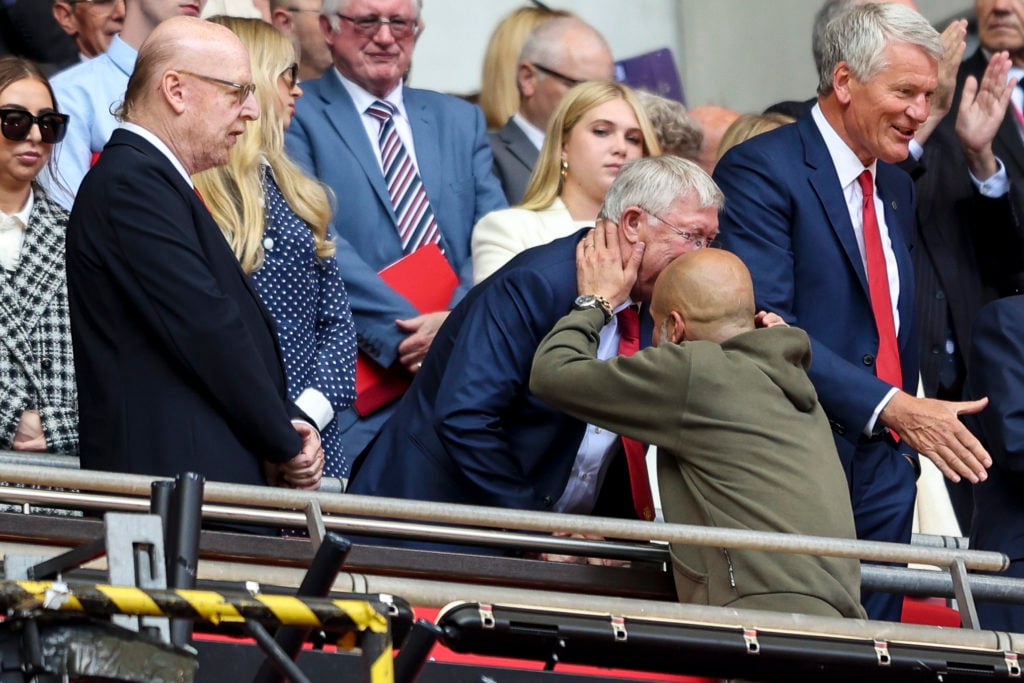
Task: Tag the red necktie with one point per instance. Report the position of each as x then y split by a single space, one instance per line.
200 195
887 361
636 453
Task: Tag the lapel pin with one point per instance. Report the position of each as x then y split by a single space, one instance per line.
894 205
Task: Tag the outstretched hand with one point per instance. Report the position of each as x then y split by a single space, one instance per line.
933 428
599 266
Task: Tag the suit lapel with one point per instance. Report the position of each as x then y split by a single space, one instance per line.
426 135
29 290
825 184
341 113
518 145
40 269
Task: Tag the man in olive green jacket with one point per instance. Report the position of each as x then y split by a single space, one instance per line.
742 440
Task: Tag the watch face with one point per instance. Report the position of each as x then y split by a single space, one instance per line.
585 301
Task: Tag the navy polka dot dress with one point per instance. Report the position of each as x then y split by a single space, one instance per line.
307 298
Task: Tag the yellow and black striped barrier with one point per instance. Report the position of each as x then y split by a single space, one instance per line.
215 607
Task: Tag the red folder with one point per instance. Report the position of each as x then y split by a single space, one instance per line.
427 280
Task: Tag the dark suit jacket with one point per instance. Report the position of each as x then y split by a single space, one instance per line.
996 369
176 358
785 215
514 159
969 247
469 430
328 141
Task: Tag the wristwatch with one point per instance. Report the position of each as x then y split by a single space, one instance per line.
587 301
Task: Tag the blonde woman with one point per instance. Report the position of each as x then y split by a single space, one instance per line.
276 219
597 127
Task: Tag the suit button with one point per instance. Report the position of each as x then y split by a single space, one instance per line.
868 359
46 363
547 501
936 350
940 295
836 427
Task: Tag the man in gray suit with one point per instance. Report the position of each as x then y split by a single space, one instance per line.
558 54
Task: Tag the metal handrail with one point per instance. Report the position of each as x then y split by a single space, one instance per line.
250 497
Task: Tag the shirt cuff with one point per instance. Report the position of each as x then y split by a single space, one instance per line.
996 186
916 150
313 403
869 430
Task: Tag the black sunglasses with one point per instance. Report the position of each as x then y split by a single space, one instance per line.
15 124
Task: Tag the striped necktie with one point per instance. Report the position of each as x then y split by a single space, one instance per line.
416 223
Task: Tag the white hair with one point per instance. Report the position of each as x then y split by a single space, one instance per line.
860 37
654 183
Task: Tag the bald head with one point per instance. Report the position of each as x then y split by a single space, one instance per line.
189 89
703 295
714 121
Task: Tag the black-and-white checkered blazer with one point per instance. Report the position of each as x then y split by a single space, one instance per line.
37 370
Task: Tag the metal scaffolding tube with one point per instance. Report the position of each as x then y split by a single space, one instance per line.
349 504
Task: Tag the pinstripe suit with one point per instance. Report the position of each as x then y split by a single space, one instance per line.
36 362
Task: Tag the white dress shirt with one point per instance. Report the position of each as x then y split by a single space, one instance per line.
592 459
362 100
12 233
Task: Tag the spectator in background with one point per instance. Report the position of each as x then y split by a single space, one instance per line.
90 91
597 127
176 359
499 82
276 220
713 121
248 9
995 369
438 141
38 399
558 54
300 19
92 23
677 133
749 125
28 29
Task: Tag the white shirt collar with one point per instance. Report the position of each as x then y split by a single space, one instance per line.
532 132
26 210
152 139
848 166
362 98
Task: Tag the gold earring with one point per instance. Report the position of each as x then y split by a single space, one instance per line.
565 168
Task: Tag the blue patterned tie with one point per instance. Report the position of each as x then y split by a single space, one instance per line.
416 223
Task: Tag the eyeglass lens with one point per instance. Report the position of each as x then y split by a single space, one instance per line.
15 124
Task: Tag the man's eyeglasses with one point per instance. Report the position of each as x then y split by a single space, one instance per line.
570 82
15 124
369 25
243 89
291 76
698 241
99 4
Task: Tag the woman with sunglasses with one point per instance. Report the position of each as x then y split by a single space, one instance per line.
275 218
596 128
38 398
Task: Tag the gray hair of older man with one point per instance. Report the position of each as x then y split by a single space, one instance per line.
860 37
331 9
654 183
677 133
545 42
830 10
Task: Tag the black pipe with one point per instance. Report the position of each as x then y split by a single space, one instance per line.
415 650
186 517
316 583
